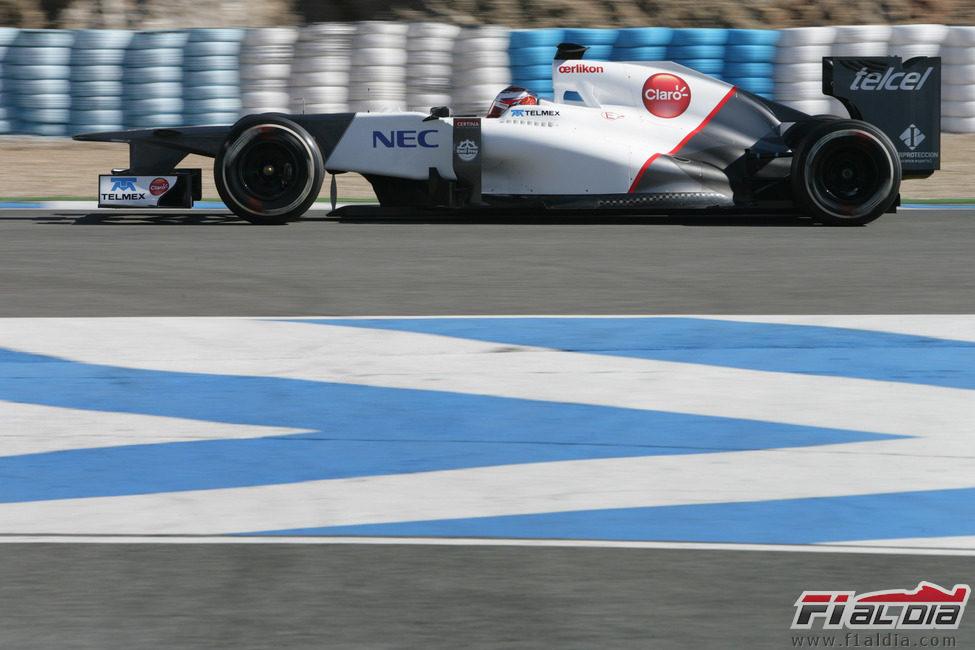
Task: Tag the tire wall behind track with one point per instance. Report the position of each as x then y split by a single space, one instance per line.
62 82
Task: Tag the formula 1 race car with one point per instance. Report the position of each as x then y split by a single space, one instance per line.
619 137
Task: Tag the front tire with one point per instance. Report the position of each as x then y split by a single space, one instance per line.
845 172
269 169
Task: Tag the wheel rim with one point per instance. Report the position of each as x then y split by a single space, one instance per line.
268 170
851 173
268 167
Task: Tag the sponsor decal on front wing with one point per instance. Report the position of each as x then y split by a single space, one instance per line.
132 191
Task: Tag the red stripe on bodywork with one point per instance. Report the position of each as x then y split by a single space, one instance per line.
714 111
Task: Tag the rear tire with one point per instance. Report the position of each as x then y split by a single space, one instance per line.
845 172
269 170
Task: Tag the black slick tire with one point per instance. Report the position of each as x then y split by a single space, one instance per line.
269 170
845 172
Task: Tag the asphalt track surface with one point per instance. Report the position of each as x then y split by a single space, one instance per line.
132 595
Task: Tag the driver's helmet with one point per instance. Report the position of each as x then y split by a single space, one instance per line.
511 96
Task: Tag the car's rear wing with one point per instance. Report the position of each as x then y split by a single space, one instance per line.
903 99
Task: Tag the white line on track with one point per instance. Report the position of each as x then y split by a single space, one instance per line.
477 542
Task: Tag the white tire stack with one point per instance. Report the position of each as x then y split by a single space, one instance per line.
377 74
861 40
36 73
266 56
481 68
7 36
152 94
319 81
958 80
96 80
799 70
429 64
211 81
909 41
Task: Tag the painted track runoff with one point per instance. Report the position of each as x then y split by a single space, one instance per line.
773 404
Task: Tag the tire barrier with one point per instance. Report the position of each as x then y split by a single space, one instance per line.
958 81
152 77
429 64
60 82
748 60
97 73
36 74
211 76
482 68
530 52
700 49
319 80
377 70
861 40
798 70
7 36
266 57
599 41
641 44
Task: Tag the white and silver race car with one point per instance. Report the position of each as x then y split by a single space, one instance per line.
630 137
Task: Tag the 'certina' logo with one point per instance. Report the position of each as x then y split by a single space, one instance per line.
927 607
889 80
123 183
580 68
666 95
158 186
532 112
466 123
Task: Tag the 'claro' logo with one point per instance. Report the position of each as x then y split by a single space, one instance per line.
666 95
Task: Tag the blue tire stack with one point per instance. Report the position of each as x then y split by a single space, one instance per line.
699 49
96 80
37 70
530 53
641 44
211 76
7 36
749 57
599 41
153 78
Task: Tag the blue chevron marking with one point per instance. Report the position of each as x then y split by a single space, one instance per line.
803 349
936 513
353 431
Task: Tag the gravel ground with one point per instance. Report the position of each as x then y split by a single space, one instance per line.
58 167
